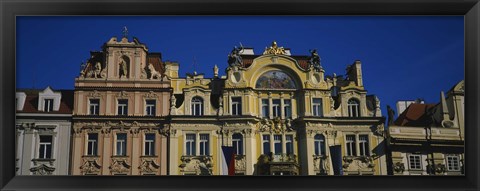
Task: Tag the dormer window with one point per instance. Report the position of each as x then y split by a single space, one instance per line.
353 108
47 105
197 106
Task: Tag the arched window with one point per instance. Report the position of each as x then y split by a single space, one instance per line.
319 140
197 106
237 142
353 108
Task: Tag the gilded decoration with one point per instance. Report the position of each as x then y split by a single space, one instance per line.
274 49
275 80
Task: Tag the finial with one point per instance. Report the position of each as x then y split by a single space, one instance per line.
125 32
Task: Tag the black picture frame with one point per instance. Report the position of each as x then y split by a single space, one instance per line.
9 9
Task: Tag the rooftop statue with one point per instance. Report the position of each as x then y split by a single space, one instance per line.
274 49
315 60
234 58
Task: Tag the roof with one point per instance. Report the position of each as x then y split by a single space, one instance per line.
31 102
302 60
156 60
416 115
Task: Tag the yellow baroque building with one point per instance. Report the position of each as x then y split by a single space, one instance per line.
280 113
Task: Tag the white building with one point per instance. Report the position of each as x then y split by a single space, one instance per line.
43 123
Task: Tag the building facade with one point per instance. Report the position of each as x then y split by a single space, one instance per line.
43 126
120 112
280 114
428 139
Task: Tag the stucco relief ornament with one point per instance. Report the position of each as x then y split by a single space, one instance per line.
42 170
119 166
314 60
274 49
220 106
122 94
94 94
97 70
399 167
90 166
149 166
234 58
265 125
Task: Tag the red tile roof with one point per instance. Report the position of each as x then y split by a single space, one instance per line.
416 115
156 60
31 102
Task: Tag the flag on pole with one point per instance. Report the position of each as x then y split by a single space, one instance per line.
336 154
228 161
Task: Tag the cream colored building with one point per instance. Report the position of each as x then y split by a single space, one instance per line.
428 139
43 126
280 113
120 110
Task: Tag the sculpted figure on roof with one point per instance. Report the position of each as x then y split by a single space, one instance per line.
234 58
274 49
315 60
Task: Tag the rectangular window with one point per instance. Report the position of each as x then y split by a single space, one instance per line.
190 144
204 148
350 145
265 106
122 107
266 144
94 106
47 105
237 142
319 145
276 107
236 106
317 107
277 144
121 144
289 144
92 144
45 147
287 108
149 144
150 107
453 163
415 162
363 144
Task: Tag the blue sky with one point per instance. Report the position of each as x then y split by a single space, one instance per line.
403 57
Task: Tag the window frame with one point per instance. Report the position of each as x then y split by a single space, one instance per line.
319 145
193 144
124 107
204 144
90 106
43 153
409 160
364 145
265 108
236 105
94 151
237 143
353 104
276 108
150 109
448 162
317 108
151 143
287 108
48 107
197 101
122 143
350 145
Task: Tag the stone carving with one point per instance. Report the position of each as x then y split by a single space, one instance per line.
314 60
234 58
43 169
123 69
358 163
274 49
439 168
399 167
321 164
154 73
143 72
94 94
264 125
122 94
199 165
90 166
220 106
97 70
240 163
119 166
149 166
150 94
